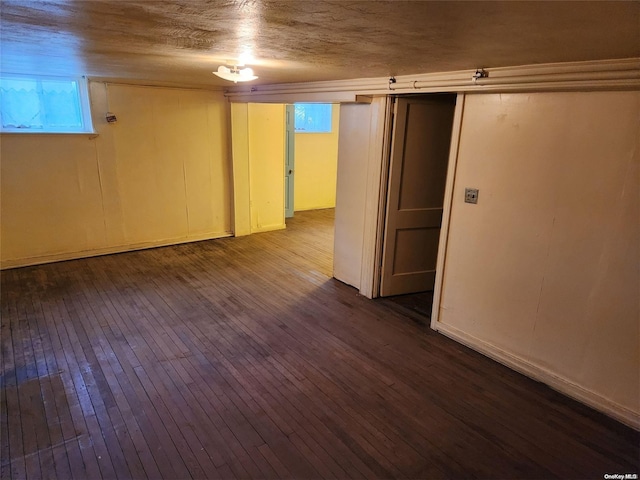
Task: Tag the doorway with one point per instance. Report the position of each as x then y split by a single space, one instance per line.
311 156
420 144
311 161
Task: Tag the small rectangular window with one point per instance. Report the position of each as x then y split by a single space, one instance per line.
31 104
313 117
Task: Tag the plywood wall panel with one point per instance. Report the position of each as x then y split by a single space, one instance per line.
150 163
545 267
159 175
240 174
51 199
266 124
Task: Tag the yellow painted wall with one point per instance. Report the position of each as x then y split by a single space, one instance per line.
241 175
51 199
316 166
266 124
160 175
543 271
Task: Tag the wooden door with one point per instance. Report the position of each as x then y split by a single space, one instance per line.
289 158
417 176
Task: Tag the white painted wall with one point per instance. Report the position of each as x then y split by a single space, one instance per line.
543 273
160 175
361 156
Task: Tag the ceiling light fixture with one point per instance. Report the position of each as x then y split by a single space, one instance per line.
235 74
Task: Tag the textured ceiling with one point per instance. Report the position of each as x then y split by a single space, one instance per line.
183 41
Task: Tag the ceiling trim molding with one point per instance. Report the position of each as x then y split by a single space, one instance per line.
623 74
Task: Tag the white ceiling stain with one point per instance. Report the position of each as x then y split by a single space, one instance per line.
183 41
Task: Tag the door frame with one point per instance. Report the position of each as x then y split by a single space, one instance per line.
446 212
374 237
434 140
289 160
376 194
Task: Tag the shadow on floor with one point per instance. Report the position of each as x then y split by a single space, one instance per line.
417 306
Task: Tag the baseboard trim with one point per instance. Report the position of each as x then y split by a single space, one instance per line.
320 207
558 383
268 228
64 256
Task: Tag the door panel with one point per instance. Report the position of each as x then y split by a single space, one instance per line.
351 188
289 161
410 239
418 170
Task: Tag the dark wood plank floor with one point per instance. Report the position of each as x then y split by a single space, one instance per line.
242 358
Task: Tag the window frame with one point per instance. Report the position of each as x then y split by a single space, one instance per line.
84 104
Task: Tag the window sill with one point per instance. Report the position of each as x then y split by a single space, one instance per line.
311 133
90 134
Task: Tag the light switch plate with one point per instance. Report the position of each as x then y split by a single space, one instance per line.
471 195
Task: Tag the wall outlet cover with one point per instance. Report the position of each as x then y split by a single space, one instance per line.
471 195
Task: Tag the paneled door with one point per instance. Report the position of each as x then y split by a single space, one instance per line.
420 145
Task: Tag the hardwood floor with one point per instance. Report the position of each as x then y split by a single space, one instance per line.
242 358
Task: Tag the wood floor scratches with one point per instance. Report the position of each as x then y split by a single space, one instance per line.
243 358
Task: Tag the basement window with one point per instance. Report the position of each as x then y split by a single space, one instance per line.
34 104
313 117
